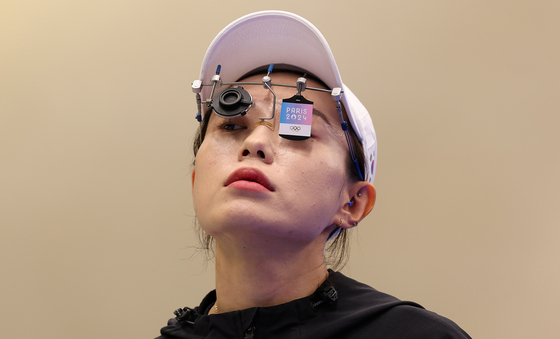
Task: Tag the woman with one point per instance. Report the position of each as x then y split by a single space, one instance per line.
276 183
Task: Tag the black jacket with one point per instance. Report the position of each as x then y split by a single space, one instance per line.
340 308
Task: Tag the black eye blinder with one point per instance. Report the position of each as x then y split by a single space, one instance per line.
232 102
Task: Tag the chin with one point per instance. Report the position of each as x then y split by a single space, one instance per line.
261 218
252 227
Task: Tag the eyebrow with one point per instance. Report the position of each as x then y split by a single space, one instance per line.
321 115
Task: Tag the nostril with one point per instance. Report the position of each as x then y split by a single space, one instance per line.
258 153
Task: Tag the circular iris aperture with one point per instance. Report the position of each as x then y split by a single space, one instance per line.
230 98
232 102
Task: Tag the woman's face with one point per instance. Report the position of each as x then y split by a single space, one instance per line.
249 181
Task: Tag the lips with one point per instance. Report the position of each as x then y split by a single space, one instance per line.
249 178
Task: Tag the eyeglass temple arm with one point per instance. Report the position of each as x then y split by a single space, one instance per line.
336 94
197 88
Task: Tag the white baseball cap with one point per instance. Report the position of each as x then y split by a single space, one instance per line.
278 37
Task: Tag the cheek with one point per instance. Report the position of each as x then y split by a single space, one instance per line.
214 151
212 162
206 161
318 178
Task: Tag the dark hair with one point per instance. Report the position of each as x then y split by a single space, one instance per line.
337 251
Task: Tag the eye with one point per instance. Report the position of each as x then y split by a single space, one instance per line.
229 127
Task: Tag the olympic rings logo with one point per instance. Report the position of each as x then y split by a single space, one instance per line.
295 128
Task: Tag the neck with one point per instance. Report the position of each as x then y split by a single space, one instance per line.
266 273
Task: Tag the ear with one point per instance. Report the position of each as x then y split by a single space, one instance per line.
362 199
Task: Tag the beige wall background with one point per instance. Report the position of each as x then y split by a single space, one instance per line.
97 118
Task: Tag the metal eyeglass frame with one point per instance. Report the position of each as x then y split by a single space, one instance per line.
336 95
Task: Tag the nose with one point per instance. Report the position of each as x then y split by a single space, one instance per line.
258 144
